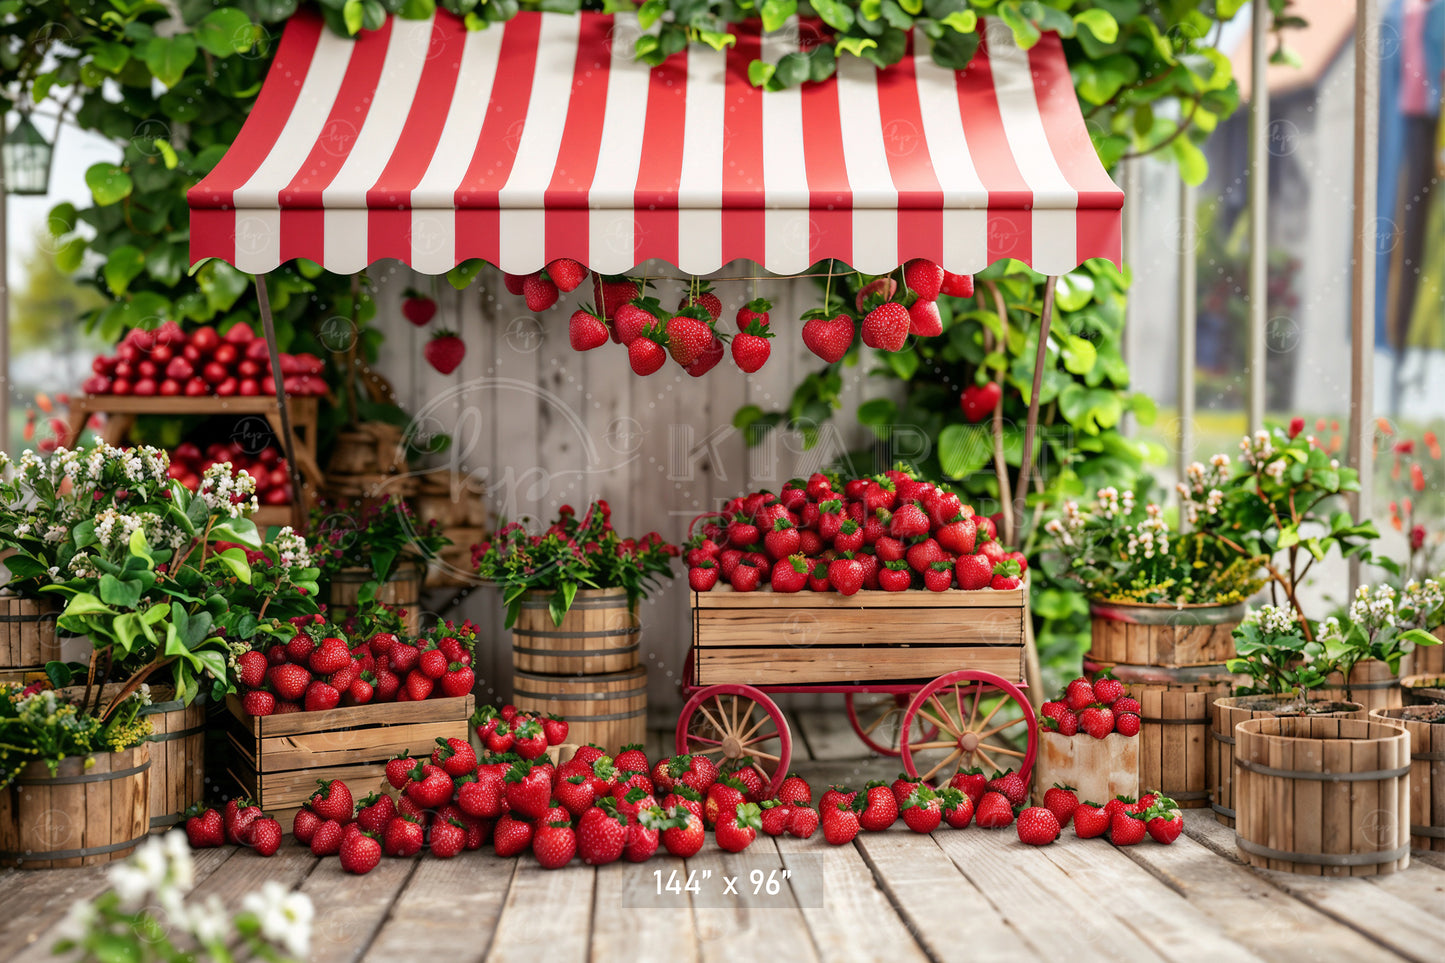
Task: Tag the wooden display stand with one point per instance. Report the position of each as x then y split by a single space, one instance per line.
122 411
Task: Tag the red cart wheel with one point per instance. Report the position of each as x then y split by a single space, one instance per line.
877 716
737 726
983 720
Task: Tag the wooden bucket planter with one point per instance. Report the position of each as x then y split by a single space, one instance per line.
1371 684
1426 725
80 816
1323 797
372 448
1419 690
401 591
1099 769
599 634
1163 634
1224 715
27 636
609 710
277 759
1427 659
1174 738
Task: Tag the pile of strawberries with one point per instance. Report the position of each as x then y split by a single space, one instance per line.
623 313
887 533
167 361
319 669
1098 708
1126 821
273 481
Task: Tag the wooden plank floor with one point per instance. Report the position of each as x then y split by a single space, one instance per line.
891 896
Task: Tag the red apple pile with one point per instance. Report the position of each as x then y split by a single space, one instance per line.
200 363
890 533
273 481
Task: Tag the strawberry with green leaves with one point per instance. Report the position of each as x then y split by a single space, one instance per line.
448 838
789 574
880 808
840 821
689 334
360 853
528 789
957 807
601 834
511 836
1062 801
644 831
1164 821
774 816
1126 828
755 312
751 348
205 827
923 809
332 800
685 835
736 831
971 782
723 796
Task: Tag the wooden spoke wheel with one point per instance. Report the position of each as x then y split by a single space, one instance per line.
982 719
877 717
736 726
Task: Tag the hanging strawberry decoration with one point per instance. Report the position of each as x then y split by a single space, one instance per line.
708 360
539 291
567 274
586 330
645 353
957 285
754 312
704 298
689 333
886 326
610 292
924 277
874 293
751 348
444 351
828 338
417 307
924 319
631 319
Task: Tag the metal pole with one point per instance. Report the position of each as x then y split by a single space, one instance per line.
1362 289
1026 466
1257 350
5 305
1132 176
1188 304
288 445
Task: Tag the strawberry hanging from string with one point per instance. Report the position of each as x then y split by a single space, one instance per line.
417 308
610 292
702 296
629 320
754 312
444 351
689 333
567 274
750 345
646 353
539 291
708 360
586 330
827 337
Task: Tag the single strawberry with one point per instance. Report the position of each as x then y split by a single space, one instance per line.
802 820
1097 721
1165 825
828 338
554 844
849 537
895 576
993 811
924 277
957 285
939 577
455 756
264 836
1065 724
746 577
419 686
846 575
689 334
1126 829
645 354
332 656
403 837
204 827
703 298
1126 704
835 796
511 836
601 835
398 769
875 292
529 740
886 327
1062 801
499 739
631 759
444 351
702 577
332 800
403 657
528 789
971 782
1090 820
923 809
387 685
457 681
1038 826
258 702
751 349
1079 694
376 810
686 834
790 574
1012 785
957 807
880 808
432 663
775 816
722 797
554 728
585 330
430 787
644 831
290 681
1126 723
360 853
737 831
326 841
305 824
840 823
566 273
924 319
1120 804
417 307
321 696
708 360
700 775
539 291
448 838
754 312
957 536
630 320
977 402
251 669
903 787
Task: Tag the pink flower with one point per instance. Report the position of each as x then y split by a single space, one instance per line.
1417 537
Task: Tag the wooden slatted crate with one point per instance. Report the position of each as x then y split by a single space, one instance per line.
825 638
276 760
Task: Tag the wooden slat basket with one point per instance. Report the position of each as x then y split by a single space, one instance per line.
27 637
1426 725
1161 634
82 815
826 638
277 759
1323 797
599 634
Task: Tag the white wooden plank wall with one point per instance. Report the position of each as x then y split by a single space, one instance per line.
544 425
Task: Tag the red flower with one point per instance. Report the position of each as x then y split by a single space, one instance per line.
1417 537
1417 478
1296 425
1405 446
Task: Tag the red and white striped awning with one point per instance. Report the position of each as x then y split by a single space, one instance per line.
544 138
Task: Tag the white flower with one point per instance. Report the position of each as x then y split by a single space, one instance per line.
77 921
1276 469
209 922
1274 619
285 917
178 848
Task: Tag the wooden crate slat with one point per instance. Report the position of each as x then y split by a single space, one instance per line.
724 596
912 627
339 747
354 717
818 665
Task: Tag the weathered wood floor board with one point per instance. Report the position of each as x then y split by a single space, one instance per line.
891 896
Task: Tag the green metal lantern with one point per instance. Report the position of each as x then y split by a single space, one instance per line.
27 159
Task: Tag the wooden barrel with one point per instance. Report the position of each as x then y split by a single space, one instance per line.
609 710
1323 797
1426 659
1419 690
599 634
1174 738
27 636
402 591
1162 634
178 758
1224 715
1371 684
1426 725
80 816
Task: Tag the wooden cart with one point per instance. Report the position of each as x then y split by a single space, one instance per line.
933 677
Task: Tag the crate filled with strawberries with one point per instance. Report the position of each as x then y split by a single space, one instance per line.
337 705
881 579
1089 739
200 363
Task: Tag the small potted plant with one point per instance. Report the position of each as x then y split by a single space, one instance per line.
62 767
1367 643
1157 597
375 552
579 575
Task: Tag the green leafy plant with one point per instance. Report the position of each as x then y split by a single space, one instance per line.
1382 624
1276 653
39 724
381 538
572 554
